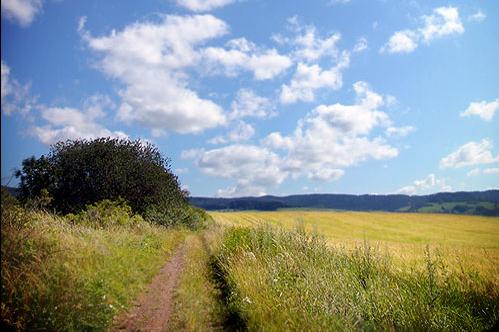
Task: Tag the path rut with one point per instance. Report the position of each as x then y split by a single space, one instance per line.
153 308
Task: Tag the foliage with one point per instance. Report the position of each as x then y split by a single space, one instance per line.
67 274
186 215
293 281
106 213
80 172
7 199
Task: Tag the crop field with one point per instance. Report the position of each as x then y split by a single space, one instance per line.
327 270
459 240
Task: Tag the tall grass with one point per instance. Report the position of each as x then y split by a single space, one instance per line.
198 305
293 280
64 274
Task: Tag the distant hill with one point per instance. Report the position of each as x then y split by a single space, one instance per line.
474 202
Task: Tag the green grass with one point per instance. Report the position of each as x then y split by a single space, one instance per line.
283 280
198 305
59 275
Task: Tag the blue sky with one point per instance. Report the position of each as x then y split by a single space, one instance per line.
257 97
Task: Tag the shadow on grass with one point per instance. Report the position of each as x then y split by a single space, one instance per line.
231 319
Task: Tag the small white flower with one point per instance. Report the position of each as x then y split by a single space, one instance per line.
247 300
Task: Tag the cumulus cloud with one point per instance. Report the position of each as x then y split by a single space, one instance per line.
492 170
404 41
470 154
241 132
483 109
427 185
254 168
474 172
479 16
15 97
327 140
307 45
361 45
21 11
70 123
309 78
241 54
248 104
203 5
336 136
399 131
149 58
443 21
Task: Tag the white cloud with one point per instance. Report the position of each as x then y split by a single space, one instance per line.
243 55
494 170
427 185
399 131
15 97
483 109
254 168
325 142
203 5
309 78
277 141
474 172
241 132
179 171
442 22
307 45
326 174
149 59
361 45
336 136
401 42
479 16
249 104
470 154
69 123
21 11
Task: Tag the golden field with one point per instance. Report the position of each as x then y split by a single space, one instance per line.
460 241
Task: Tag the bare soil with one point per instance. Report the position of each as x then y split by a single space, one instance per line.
153 308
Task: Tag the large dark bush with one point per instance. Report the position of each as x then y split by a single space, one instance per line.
81 172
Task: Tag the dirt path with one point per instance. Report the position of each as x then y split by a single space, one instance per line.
152 310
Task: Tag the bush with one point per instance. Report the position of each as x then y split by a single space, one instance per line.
81 172
77 173
189 216
106 213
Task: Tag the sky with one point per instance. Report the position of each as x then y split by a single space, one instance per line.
255 97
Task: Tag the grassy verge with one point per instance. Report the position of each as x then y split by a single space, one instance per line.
58 274
292 280
197 305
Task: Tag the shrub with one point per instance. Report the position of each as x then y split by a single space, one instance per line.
77 173
106 213
81 172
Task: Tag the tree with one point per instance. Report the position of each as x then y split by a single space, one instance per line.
80 172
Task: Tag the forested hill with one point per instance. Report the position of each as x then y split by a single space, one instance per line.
476 202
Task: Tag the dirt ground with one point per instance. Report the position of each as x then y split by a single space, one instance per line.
153 308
